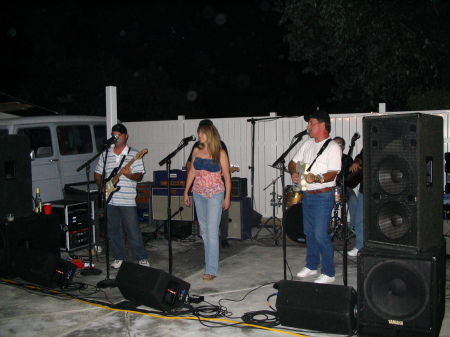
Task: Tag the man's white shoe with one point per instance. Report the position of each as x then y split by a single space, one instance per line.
353 252
116 264
324 279
144 263
306 272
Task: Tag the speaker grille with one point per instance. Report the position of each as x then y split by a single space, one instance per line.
396 290
403 181
401 294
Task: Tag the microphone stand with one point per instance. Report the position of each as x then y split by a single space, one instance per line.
91 270
252 167
167 161
107 282
280 164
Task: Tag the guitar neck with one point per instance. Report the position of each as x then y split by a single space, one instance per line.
117 176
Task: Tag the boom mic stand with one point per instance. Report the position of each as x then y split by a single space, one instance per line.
107 282
167 161
280 164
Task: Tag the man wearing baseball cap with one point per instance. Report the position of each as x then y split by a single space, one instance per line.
323 157
122 216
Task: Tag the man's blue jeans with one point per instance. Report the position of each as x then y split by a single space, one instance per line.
356 208
316 222
123 222
209 212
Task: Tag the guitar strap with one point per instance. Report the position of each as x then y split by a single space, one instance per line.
123 159
324 146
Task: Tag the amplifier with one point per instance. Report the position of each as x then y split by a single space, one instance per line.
143 192
177 178
239 187
240 217
159 204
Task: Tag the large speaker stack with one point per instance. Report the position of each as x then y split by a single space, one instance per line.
401 269
15 176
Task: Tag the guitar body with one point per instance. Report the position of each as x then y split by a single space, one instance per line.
354 178
110 189
302 173
113 179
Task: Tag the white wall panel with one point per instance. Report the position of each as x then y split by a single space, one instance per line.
272 138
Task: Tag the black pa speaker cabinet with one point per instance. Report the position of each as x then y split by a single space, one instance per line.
239 187
15 176
403 181
240 217
401 294
323 307
151 287
39 232
43 268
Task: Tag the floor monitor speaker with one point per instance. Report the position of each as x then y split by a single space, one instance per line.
401 294
43 268
151 287
403 181
322 307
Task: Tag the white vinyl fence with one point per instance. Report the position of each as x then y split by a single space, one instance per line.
272 137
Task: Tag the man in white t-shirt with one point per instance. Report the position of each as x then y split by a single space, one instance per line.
323 156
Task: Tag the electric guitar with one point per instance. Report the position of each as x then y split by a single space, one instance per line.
234 168
354 178
113 179
301 169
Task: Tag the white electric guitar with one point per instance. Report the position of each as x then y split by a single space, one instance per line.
302 173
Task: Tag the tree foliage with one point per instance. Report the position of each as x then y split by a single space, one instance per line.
376 50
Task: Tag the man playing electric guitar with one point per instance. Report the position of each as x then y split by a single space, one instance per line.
121 210
324 156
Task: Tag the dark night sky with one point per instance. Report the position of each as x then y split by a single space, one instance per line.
167 58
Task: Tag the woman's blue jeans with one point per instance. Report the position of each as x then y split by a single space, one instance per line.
209 212
316 222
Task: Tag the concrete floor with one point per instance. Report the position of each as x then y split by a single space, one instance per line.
247 273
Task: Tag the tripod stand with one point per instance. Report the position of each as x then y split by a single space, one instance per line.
337 229
275 202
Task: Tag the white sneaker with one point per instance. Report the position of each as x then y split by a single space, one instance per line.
353 252
116 264
324 279
306 272
144 263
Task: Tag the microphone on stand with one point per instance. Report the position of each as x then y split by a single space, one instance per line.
188 139
301 134
112 140
356 136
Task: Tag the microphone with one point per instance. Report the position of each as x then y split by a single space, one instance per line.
356 136
188 139
301 134
112 140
